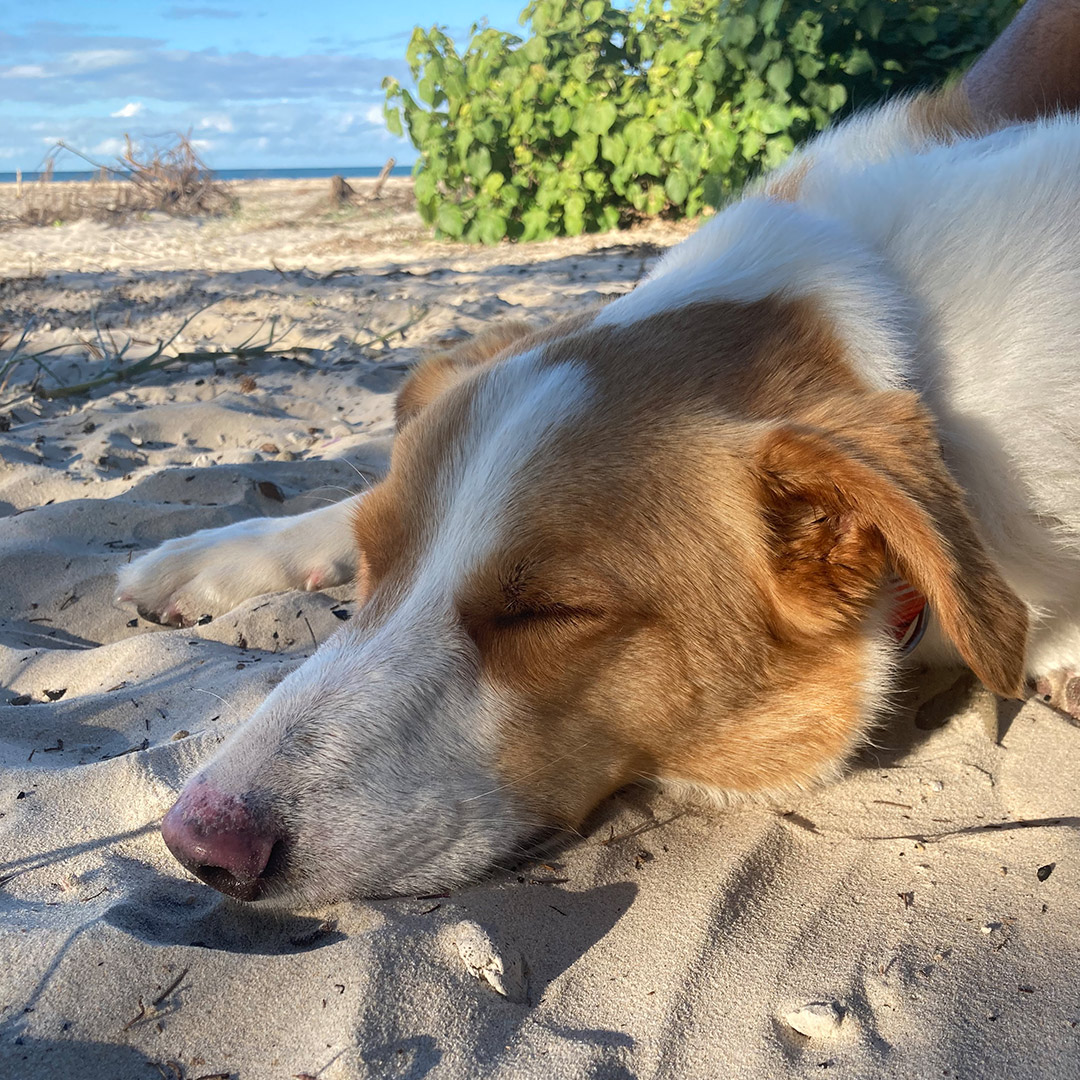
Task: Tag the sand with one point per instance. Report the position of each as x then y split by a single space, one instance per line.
920 918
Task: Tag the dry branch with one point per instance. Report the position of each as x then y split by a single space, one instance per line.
106 348
172 179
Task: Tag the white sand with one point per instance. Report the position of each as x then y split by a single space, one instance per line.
896 919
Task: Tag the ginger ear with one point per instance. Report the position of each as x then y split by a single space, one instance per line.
840 510
436 374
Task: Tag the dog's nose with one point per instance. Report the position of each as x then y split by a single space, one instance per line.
219 839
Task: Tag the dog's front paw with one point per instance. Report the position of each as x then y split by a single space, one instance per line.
1060 690
189 579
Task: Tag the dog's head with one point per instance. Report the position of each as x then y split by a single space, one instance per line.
601 554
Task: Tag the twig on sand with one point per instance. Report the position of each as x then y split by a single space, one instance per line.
176 1072
105 347
167 992
974 830
18 355
644 827
145 1013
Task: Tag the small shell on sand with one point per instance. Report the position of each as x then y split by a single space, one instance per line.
816 1019
501 968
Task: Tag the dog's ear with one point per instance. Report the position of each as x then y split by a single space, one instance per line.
436 374
862 490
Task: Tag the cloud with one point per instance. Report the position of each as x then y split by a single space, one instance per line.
206 76
24 71
94 60
262 134
216 122
253 109
112 147
201 13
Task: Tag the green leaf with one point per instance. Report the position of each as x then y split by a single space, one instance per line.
837 97
595 181
613 147
872 19
592 10
608 217
704 96
740 31
424 187
604 116
574 214
774 118
586 149
479 163
677 187
655 199
776 151
535 221
779 75
858 63
450 220
493 183
714 190
752 142
491 227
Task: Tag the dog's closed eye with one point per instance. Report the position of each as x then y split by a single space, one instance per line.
529 613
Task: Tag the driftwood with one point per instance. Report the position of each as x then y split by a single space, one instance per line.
376 191
342 192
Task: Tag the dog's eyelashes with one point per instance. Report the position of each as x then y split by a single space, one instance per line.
525 615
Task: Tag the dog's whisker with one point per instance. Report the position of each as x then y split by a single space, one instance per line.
227 704
531 773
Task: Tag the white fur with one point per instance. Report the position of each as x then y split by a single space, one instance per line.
212 571
759 247
520 405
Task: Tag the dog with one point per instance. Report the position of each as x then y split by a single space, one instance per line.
688 537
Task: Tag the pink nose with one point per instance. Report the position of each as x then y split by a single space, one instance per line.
219 839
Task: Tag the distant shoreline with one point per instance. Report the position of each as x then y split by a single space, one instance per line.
84 176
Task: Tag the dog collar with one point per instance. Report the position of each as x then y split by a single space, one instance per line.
909 614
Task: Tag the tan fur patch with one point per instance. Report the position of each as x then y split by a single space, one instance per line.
944 115
439 372
786 185
684 576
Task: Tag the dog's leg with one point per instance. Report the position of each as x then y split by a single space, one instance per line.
212 571
1033 69
1061 690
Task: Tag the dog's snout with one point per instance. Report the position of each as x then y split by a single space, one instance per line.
221 840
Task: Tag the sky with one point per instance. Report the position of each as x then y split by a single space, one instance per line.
269 84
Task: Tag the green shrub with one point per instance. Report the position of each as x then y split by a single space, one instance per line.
603 115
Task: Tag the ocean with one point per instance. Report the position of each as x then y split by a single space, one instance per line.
237 174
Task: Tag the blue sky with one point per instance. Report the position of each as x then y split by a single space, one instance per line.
269 84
